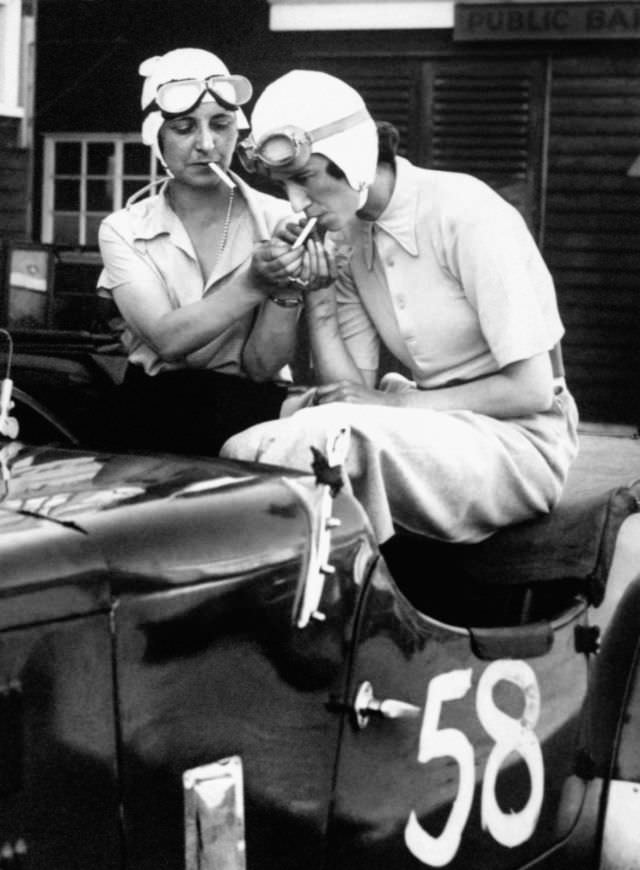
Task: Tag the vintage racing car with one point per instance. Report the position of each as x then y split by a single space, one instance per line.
209 664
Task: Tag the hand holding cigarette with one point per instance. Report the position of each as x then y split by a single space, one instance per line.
306 232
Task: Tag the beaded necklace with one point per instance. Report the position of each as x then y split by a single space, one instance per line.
226 227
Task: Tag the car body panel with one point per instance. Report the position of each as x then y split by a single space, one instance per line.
507 737
59 793
188 573
381 780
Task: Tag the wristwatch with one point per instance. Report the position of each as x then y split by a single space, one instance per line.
287 301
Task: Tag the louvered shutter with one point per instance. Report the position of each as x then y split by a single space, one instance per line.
485 117
592 237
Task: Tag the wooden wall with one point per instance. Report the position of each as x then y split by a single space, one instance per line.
592 228
13 182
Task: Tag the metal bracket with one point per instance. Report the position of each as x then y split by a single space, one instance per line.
587 639
319 504
366 705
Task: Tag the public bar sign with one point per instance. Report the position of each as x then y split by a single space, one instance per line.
513 21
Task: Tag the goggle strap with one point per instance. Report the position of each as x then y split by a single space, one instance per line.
249 151
137 195
339 126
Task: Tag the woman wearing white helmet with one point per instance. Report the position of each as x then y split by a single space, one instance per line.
442 271
208 309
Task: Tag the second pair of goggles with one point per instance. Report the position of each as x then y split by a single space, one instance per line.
181 96
289 148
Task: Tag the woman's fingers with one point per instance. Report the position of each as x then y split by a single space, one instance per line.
277 262
309 265
324 260
350 391
288 230
321 265
336 392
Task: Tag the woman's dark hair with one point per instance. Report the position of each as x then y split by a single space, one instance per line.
334 170
388 142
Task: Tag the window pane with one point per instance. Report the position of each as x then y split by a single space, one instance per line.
100 158
93 224
67 195
67 158
99 195
137 159
65 229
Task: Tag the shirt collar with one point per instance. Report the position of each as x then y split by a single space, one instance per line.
398 219
154 216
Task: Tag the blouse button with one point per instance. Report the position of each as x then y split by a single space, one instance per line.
390 261
401 301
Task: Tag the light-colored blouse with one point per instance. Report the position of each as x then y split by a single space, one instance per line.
449 277
148 245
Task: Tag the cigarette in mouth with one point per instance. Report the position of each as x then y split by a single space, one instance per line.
306 230
222 175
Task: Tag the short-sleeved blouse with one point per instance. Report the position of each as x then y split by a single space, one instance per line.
449 277
146 244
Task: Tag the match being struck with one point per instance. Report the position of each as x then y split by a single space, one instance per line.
222 175
306 231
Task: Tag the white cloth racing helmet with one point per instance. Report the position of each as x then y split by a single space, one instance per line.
304 102
176 82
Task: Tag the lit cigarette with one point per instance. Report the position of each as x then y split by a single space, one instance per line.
304 235
222 175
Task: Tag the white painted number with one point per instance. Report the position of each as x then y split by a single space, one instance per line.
438 851
510 735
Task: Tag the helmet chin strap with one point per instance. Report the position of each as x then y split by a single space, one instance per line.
364 193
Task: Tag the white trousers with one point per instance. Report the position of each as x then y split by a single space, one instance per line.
454 476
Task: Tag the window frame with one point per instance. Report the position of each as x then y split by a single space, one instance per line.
49 178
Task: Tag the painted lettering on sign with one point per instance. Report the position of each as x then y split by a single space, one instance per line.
546 21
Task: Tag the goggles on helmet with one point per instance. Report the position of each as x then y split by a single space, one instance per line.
289 148
181 96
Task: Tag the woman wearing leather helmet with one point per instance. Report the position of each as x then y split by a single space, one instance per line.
444 272
208 311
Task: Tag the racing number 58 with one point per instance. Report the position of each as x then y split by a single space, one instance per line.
508 734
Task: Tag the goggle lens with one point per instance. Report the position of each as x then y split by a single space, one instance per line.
278 150
179 96
182 96
291 147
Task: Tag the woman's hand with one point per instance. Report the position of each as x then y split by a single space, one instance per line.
275 262
318 267
353 393
306 268
287 230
